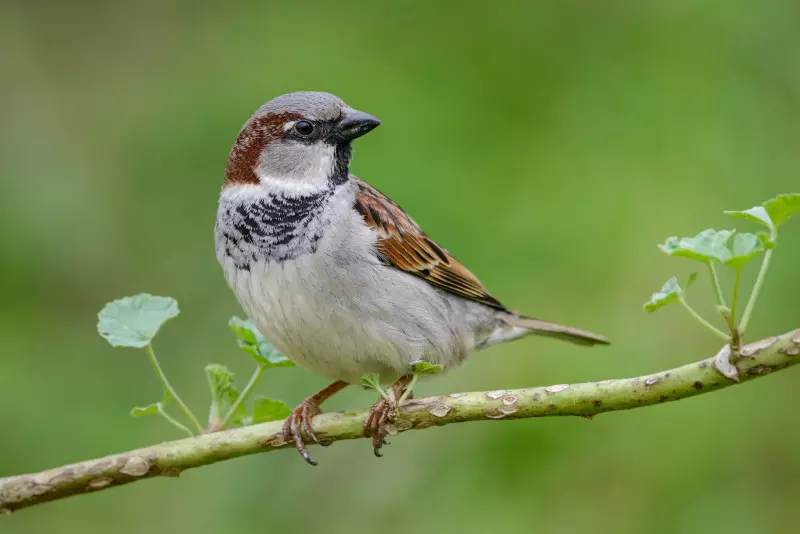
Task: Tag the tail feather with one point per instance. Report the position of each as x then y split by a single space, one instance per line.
565 333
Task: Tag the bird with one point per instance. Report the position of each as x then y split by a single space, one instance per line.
335 274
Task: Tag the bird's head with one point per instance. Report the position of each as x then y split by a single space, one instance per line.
298 143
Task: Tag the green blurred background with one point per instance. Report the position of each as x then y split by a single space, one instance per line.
548 145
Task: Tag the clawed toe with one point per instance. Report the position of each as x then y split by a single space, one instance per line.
375 424
383 412
299 423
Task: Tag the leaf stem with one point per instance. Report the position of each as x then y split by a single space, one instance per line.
751 302
407 392
713 329
717 288
735 298
170 390
384 395
373 381
173 421
243 396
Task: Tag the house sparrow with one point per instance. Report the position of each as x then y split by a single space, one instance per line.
337 276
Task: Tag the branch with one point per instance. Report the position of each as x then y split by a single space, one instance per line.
585 400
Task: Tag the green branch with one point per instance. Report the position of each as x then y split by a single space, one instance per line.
585 400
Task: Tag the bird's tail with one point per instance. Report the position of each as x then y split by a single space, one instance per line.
566 333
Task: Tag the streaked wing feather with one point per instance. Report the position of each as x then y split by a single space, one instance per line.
403 245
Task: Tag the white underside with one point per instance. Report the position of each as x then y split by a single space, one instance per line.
342 314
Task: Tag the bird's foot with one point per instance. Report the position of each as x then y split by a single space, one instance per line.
377 425
299 423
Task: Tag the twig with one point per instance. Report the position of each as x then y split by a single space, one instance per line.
586 400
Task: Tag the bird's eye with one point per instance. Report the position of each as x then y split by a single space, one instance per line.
303 127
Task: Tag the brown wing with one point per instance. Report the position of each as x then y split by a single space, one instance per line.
403 245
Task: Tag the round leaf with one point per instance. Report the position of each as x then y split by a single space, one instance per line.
756 214
773 212
244 330
134 321
782 207
265 410
745 248
256 345
708 245
425 368
670 292
371 380
223 393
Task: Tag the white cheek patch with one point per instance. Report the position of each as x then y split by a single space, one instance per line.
305 179
323 158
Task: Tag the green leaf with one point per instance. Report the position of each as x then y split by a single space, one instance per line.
782 207
265 410
691 280
670 292
424 368
756 214
746 247
150 409
244 330
767 240
372 380
134 321
266 355
223 394
708 245
253 343
220 379
773 212
158 409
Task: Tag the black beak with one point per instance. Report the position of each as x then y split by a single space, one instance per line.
354 124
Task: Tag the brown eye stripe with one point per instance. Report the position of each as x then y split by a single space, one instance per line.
404 246
252 139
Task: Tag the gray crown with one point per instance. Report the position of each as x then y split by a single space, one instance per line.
310 104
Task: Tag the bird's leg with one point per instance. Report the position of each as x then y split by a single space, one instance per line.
299 421
382 412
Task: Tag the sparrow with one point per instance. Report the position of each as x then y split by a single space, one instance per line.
335 274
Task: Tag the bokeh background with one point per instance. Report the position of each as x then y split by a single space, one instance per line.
549 145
